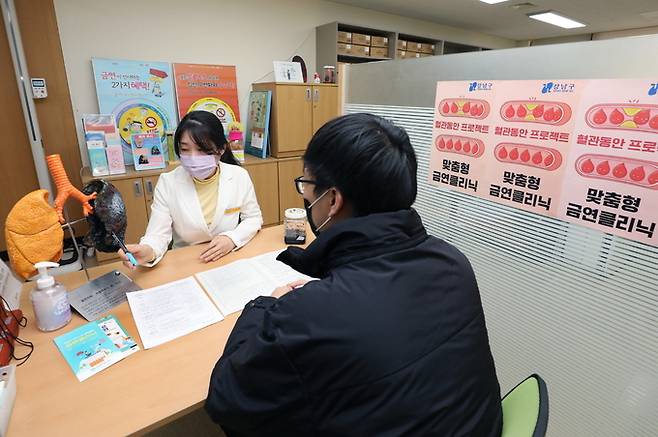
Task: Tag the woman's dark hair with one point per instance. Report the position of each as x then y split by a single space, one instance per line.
368 159
207 132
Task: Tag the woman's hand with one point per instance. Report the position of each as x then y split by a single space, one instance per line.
281 291
218 247
143 253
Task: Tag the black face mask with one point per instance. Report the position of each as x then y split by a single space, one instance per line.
307 206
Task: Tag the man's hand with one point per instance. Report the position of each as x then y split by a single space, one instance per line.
281 291
219 246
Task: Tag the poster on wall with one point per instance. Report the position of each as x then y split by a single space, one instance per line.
462 124
580 150
139 94
530 142
211 88
611 182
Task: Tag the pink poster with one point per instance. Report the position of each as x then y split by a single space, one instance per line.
462 126
611 183
529 143
580 150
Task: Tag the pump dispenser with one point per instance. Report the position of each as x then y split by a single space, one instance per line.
50 300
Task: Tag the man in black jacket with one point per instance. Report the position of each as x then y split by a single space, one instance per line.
390 341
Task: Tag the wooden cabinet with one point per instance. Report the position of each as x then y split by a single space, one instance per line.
298 110
289 169
149 191
325 105
264 175
291 119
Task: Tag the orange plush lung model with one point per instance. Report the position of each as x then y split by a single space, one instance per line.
33 233
65 189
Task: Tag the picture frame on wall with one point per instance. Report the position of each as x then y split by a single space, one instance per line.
288 72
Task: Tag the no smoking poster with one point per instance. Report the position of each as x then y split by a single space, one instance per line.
580 150
140 95
211 88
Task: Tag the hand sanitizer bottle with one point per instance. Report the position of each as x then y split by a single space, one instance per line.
50 300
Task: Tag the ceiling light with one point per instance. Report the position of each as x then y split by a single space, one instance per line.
492 2
556 20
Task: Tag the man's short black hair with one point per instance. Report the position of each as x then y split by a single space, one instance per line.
368 159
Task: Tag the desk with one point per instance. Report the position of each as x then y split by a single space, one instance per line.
143 391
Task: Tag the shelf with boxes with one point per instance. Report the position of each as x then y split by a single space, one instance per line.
340 42
409 46
359 42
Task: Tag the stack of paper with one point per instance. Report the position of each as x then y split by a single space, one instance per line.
170 311
232 286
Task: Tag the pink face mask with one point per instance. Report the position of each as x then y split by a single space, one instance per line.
199 166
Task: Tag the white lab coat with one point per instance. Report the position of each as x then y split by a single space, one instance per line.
176 211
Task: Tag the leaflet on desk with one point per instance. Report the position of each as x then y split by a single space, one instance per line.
95 346
10 287
232 286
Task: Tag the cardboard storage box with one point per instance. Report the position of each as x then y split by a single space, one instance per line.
402 44
427 48
379 52
379 41
344 49
414 46
361 39
352 50
345 37
403 54
358 50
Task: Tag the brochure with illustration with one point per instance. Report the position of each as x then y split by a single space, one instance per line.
147 152
258 123
95 346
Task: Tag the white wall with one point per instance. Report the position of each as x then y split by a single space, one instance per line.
590 36
247 33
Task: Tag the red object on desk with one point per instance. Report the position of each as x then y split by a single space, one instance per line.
8 332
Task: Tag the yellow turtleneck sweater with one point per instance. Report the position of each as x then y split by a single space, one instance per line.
208 193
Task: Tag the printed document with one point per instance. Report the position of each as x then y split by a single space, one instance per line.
170 311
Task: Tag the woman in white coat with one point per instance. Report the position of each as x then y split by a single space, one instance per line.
208 199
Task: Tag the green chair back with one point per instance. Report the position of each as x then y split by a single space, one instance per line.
525 409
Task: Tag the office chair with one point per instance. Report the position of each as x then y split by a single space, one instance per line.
525 409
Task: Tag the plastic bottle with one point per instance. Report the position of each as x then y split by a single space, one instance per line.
295 226
50 300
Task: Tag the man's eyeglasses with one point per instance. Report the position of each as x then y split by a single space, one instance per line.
300 182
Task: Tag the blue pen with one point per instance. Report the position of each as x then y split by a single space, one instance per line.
129 255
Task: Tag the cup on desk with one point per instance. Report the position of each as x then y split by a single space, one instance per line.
294 224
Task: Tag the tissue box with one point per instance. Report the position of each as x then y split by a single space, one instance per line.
7 396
